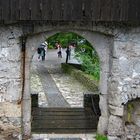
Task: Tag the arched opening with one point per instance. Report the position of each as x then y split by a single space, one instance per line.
82 51
71 102
103 50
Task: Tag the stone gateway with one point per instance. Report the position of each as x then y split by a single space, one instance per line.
111 27
119 84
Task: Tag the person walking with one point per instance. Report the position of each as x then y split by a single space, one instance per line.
46 46
68 51
41 51
59 48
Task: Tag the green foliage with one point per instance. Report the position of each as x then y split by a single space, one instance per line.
50 47
86 54
101 137
84 48
90 65
84 51
65 38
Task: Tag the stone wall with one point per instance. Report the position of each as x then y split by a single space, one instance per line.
83 78
99 40
124 84
10 82
119 53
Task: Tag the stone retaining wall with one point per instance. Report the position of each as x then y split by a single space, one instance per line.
83 78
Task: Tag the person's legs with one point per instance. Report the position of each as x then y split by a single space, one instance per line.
67 58
38 56
60 54
42 55
43 58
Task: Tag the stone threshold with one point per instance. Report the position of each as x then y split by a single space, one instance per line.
87 136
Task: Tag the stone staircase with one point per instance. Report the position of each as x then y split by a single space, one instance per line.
63 120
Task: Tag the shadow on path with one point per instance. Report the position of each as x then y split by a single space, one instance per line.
54 96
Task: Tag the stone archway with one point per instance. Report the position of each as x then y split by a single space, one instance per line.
122 58
102 45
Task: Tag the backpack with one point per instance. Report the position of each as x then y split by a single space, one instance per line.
39 50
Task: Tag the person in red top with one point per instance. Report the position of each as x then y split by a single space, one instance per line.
59 48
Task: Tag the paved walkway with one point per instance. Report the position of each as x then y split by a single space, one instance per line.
54 96
55 88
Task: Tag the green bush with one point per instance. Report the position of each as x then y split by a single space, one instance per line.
84 48
90 65
101 137
64 38
50 47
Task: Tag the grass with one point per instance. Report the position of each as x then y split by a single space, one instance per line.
101 137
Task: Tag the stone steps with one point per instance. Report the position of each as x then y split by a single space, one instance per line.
63 120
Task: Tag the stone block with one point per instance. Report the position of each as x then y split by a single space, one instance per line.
102 125
116 49
115 98
137 66
124 65
115 68
10 70
10 54
104 105
27 110
27 128
16 121
113 84
130 131
118 111
115 126
103 82
10 90
137 137
8 109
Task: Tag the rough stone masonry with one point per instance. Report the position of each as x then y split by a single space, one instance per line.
123 81
10 82
124 84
